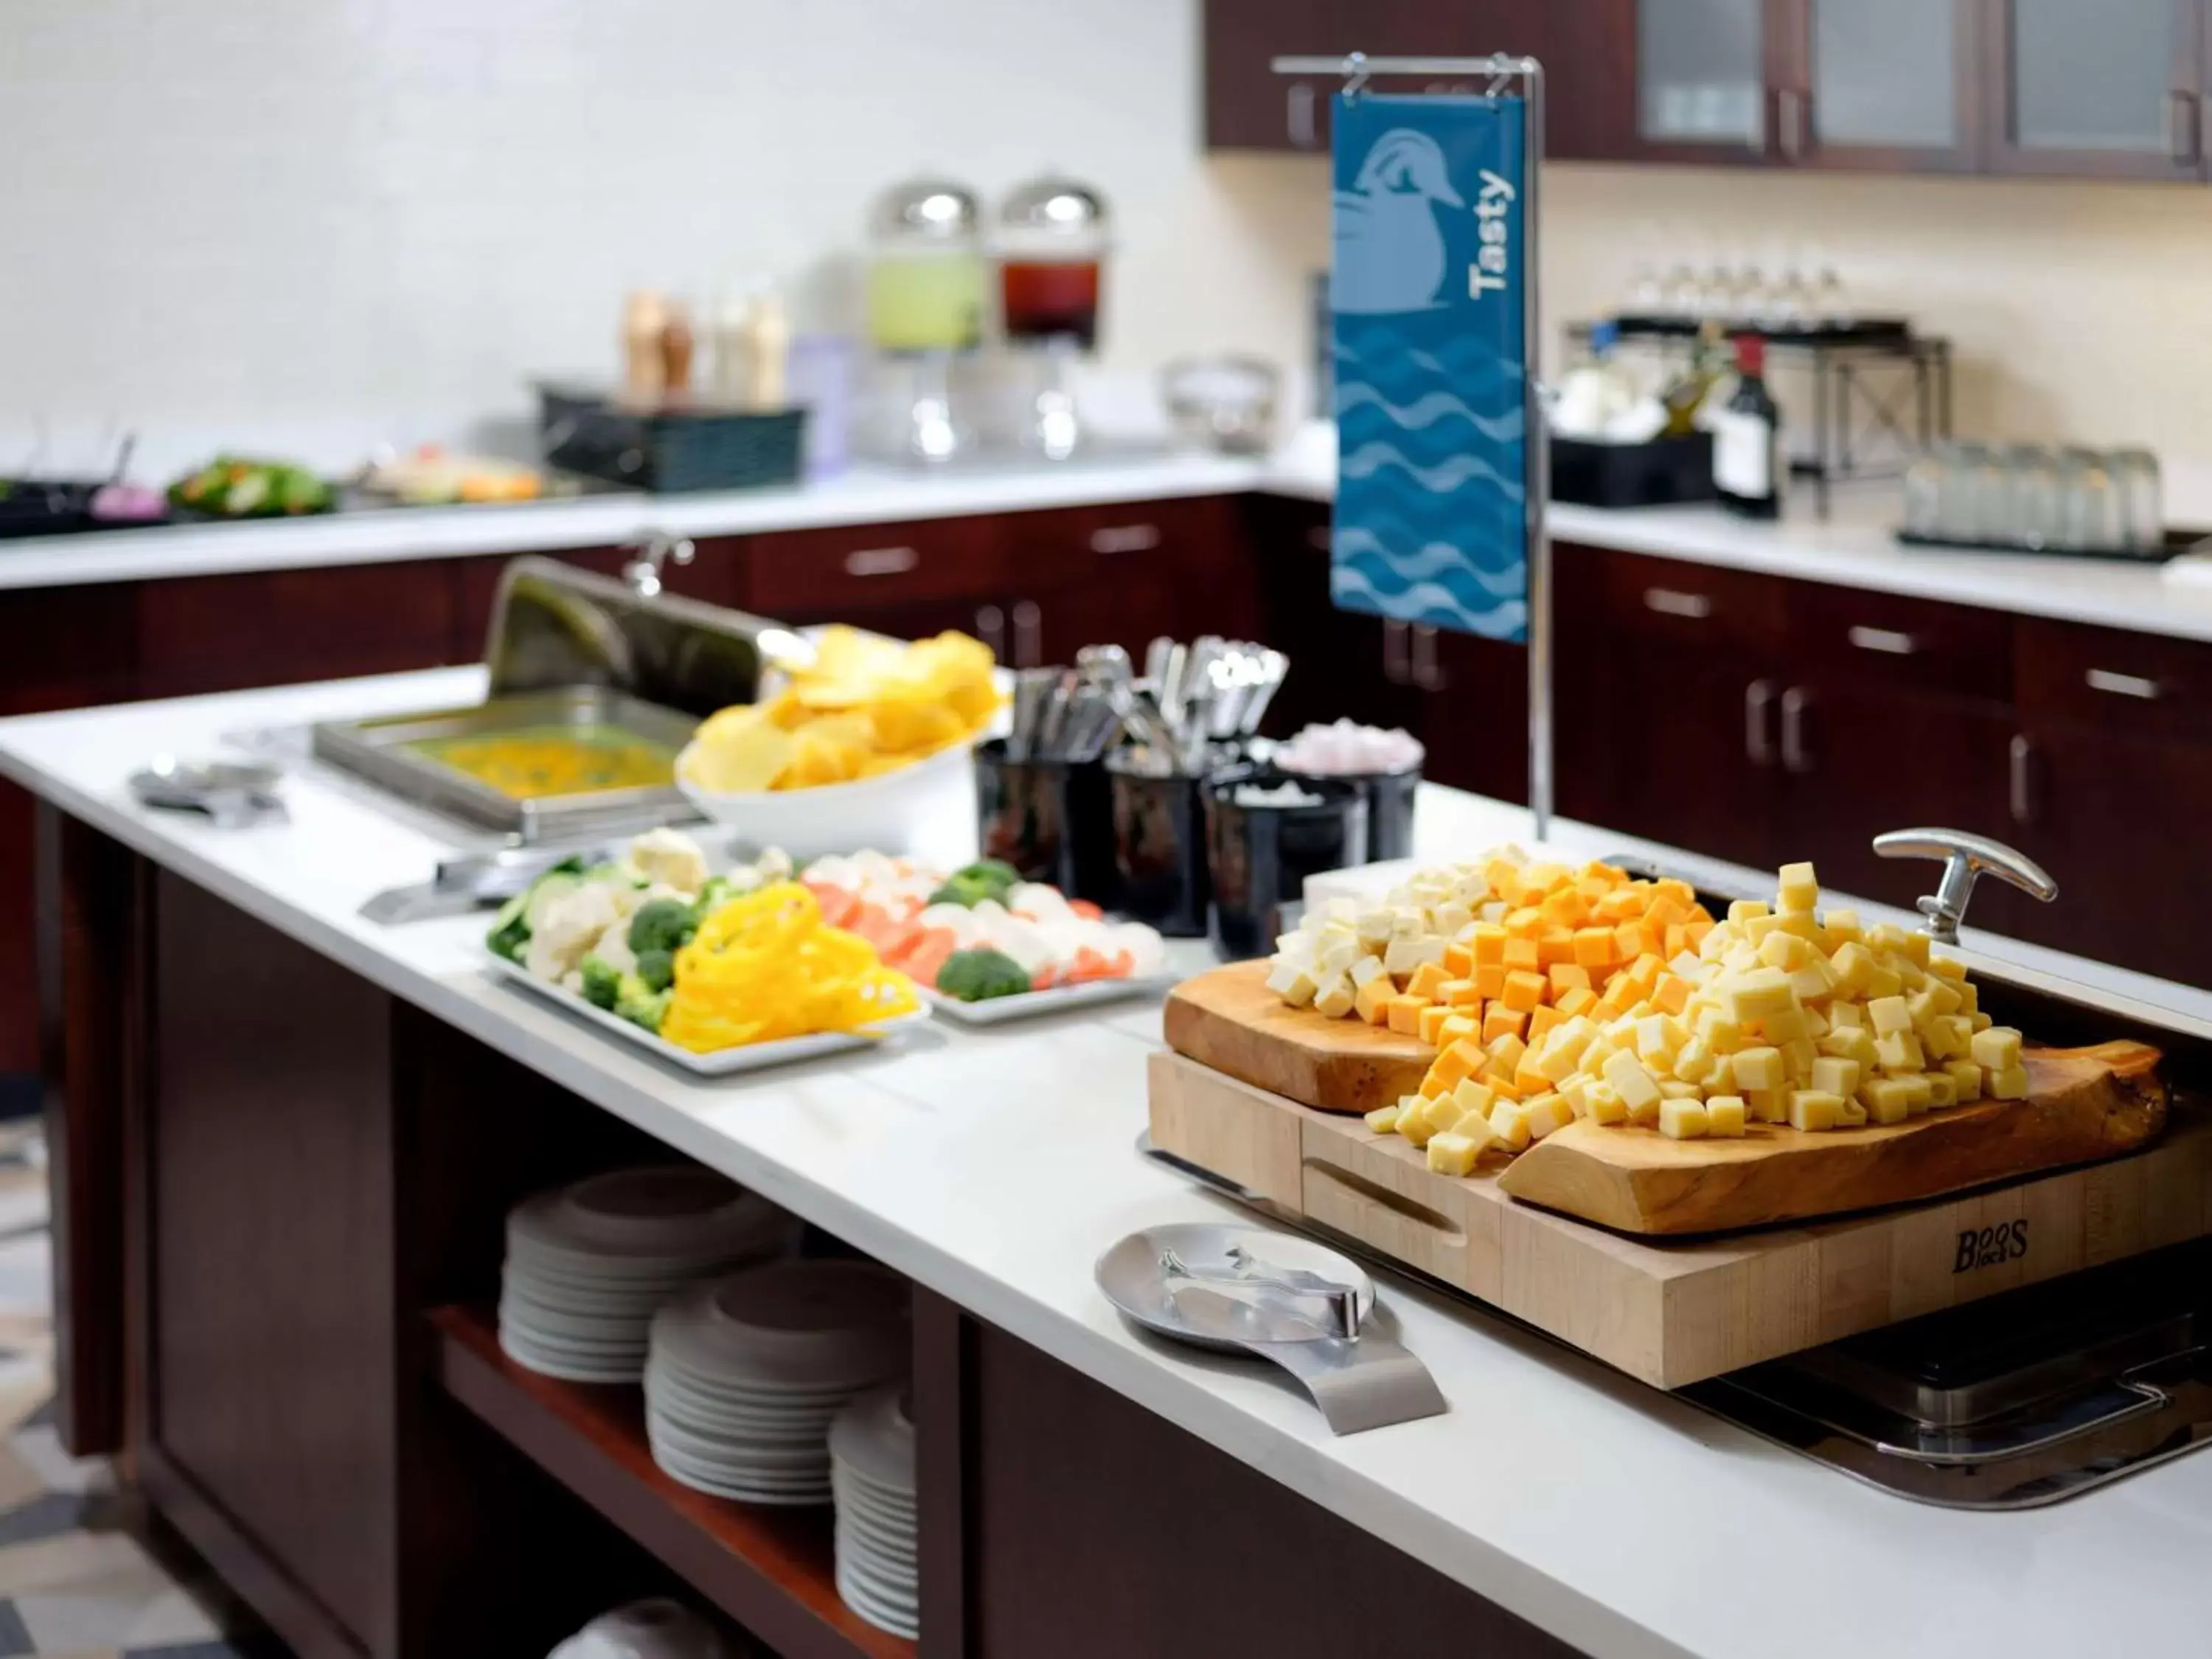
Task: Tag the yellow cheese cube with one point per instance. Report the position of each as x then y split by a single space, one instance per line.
1542 1022
1970 998
1886 936
1443 1113
1852 1045
1943 1090
1547 1113
1725 1116
1889 1014
1855 967
1339 997
1759 1068
1576 1092
1458 1028
1414 1126
1506 1052
1798 1056
1799 887
1374 1001
1886 1099
1816 982
1814 1110
2010 1083
1942 994
1767 1105
1853 1116
1784 951
1658 1038
1720 1033
1884 981
1846 1016
1508 1125
1949 967
1842 926
1682 1120
1816 1024
1757 994
1673 1088
1948 1037
1604 1101
1757 930
1746 909
1919 1095
1632 1082
1500 1022
1472 1098
1696 1061
1459 993
1426 980
1782 1026
1834 1075
1454 1154
1900 1054
1576 1000
1383 1119
1965 1077
1914 948
1367 968
1996 1049
1983 1022
1431 1025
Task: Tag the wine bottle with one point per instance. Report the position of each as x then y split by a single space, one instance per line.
1747 439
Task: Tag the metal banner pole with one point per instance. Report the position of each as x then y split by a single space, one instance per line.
1356 69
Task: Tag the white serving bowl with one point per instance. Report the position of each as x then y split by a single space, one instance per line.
928 807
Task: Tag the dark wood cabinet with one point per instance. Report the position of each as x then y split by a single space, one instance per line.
1126 573
1248 105
2112 90
1586 47
1343 665
1881 85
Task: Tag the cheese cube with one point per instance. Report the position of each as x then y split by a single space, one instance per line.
1797 1057
1755 994
1499 1022
1403 1016
1725 1116
1632 1082
1490 980
1846 1016
1855 967
1383 1119
1566 976
1816 1024
1657 1039
1433 1084
1576 1000
1443 1113
1800 889
1454 1154
1883 980
1425 980
1900 1054
1782 1026
1673 1088
1500 1080
1524 990
1886 1099
1816 982
1852 1116
1488 942
1682 1120
1431 1025
1294 983
1528 1079
1852 1045
1522 956
1374 1001
1506 1052
1758 1068
1458 1028
1548 1113
1672 993
1834 1075
1450 917
1919 1095
1463 1060
1472 1098
1364 972
1970 1000
1696 1061
1414 1124
1542 1022
1785 951
1336 997
1605 1103
1966 1077
1942 1090
1757 929
1889 1014
1723 1035
1576 1092
1767 1105
1746 910
1996 1049
1815 1110
1941 996
1842 926
1338 956
2010 1083
1983 1022
1948 1037
1459 959
1508 1125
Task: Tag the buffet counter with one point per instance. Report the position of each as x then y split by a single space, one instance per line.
993 1166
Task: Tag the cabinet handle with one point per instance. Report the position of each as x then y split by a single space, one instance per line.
2123 685
1029 634
1673 602
881 561
1789 122
1426 675
2022 782
991 629
1126 538
1394 656
1304 134
1887 640
1758 698
2184 141
1794 757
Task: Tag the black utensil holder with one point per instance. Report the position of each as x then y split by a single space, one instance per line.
1052 820
1258 856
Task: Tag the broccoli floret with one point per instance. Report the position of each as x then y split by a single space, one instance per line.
602 981
657 969
639 1004
981 976
994 871
510 929
662 925
571 866
718 891
971 886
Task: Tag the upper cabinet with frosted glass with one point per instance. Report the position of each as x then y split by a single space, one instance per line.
2082 89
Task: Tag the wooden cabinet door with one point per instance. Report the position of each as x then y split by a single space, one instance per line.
1705 78
1126 574
1474 713
1248 105
819 575
1890 86
2115 89
1344 665
1587 48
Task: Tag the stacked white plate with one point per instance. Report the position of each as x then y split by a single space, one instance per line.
589 1264
747 1374
872 1471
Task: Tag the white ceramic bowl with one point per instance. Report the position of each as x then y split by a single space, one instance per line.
889 814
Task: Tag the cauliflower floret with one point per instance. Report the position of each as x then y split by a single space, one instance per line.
568 929
670 856
613 948
774 865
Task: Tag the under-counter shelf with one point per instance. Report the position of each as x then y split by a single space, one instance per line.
771 1570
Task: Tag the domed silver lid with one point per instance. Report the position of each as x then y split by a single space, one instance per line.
1054 204
928 210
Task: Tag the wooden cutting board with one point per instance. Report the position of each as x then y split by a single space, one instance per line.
2083 1104
1228 1018
1674 1310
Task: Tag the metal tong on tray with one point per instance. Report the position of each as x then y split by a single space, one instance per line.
1247 1271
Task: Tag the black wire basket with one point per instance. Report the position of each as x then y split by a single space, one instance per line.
671 449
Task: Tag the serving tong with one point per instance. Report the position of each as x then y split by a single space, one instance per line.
1247 1271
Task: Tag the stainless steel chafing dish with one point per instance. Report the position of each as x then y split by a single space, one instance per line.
568 648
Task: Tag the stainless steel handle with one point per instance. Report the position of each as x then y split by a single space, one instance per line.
1126 538
1396 656
2022 753
1029 634
2123 685
1793 755
1965 857
1673 602
881 561
654 555
1426 675
1305 133
1758 698
1789 123
1887 640
991 629
2184 118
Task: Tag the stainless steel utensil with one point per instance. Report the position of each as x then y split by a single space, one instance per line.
233 794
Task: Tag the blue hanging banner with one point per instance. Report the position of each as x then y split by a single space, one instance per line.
1431 387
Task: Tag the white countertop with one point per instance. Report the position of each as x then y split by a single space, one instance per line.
1855 548
993 1166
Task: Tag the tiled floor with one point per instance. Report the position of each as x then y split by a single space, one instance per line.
81 1574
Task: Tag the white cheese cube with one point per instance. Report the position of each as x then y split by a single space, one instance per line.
1725 1116
1815 1110
1294 984
1337 997
1682 1120
1996 1049
1384 1120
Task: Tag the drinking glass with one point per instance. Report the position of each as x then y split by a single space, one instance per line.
1974 507
2032 495
1924 494
2088 506
2135 475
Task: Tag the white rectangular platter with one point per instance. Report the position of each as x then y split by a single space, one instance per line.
726 1062
1031 1005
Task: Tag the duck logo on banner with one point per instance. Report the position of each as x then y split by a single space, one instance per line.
1431 511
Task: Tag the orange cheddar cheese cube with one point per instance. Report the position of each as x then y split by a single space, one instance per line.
1665 910
1525 923
1433 1023
1556 946
1523 991
1489 943
1433 1086
1502 1021
1403 1015
1522 953
1672 993
1458 992
1634 940
1528 1078
1458 1027
1541 1020
1458 1062
1426 980
1565 976
1566 909
1594 948
1459 961
1490 980
1576 1000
